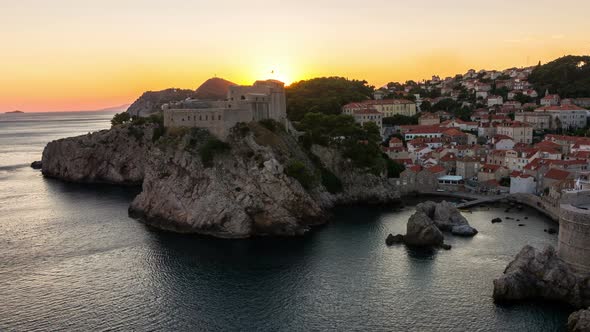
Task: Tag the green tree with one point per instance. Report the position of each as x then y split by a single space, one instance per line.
568 76
400 120
324 95
426 106
120 118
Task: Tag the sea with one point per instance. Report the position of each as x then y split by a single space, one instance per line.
71 259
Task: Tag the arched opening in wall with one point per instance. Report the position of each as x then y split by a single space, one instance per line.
243 98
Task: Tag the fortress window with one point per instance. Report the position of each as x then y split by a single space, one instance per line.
206 117
243 98
219 117
200 117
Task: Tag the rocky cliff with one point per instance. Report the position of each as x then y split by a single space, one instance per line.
194 183
579 321
114 156
151 101
542 275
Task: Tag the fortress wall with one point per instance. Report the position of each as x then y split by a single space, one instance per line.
574 237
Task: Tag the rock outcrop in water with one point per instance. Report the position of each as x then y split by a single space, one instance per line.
542 275
421 231
579 321
425 227
239 192
447 218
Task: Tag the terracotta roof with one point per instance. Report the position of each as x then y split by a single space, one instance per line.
489 168
436 169
557 174
580 155
404 161
453 132
501 137
514 124
393 149
517 174
448 157
561 108
415 168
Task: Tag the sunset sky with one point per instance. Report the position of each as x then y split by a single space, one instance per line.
83 55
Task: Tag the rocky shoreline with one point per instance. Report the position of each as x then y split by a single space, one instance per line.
238 193
541 274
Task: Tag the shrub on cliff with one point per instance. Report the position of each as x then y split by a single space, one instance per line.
212 147
120 118
270 124
297 170
393 169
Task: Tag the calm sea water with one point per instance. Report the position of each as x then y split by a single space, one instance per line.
71 259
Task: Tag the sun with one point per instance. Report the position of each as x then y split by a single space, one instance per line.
281 75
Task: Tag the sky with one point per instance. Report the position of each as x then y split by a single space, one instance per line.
62 55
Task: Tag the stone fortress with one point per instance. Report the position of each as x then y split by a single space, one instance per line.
262 100
573 245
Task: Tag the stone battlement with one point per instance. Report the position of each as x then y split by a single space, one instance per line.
574 237
262 100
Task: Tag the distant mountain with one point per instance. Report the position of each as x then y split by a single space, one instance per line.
214 89
14 112
568 76
120 108
152 101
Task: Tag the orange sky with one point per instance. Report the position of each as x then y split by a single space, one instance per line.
70 55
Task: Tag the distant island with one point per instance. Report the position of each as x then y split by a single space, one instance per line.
14 112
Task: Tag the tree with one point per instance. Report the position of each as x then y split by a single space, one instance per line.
400 120
394 169
324 95
568 76
120 118
426 106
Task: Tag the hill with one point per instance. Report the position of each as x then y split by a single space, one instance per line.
324 95
151 101
214 89
568 76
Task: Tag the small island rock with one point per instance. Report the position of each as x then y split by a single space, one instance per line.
394 239
36 165
422 232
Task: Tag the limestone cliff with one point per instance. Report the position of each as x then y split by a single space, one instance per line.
239 191
579 321
109 156
542 275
